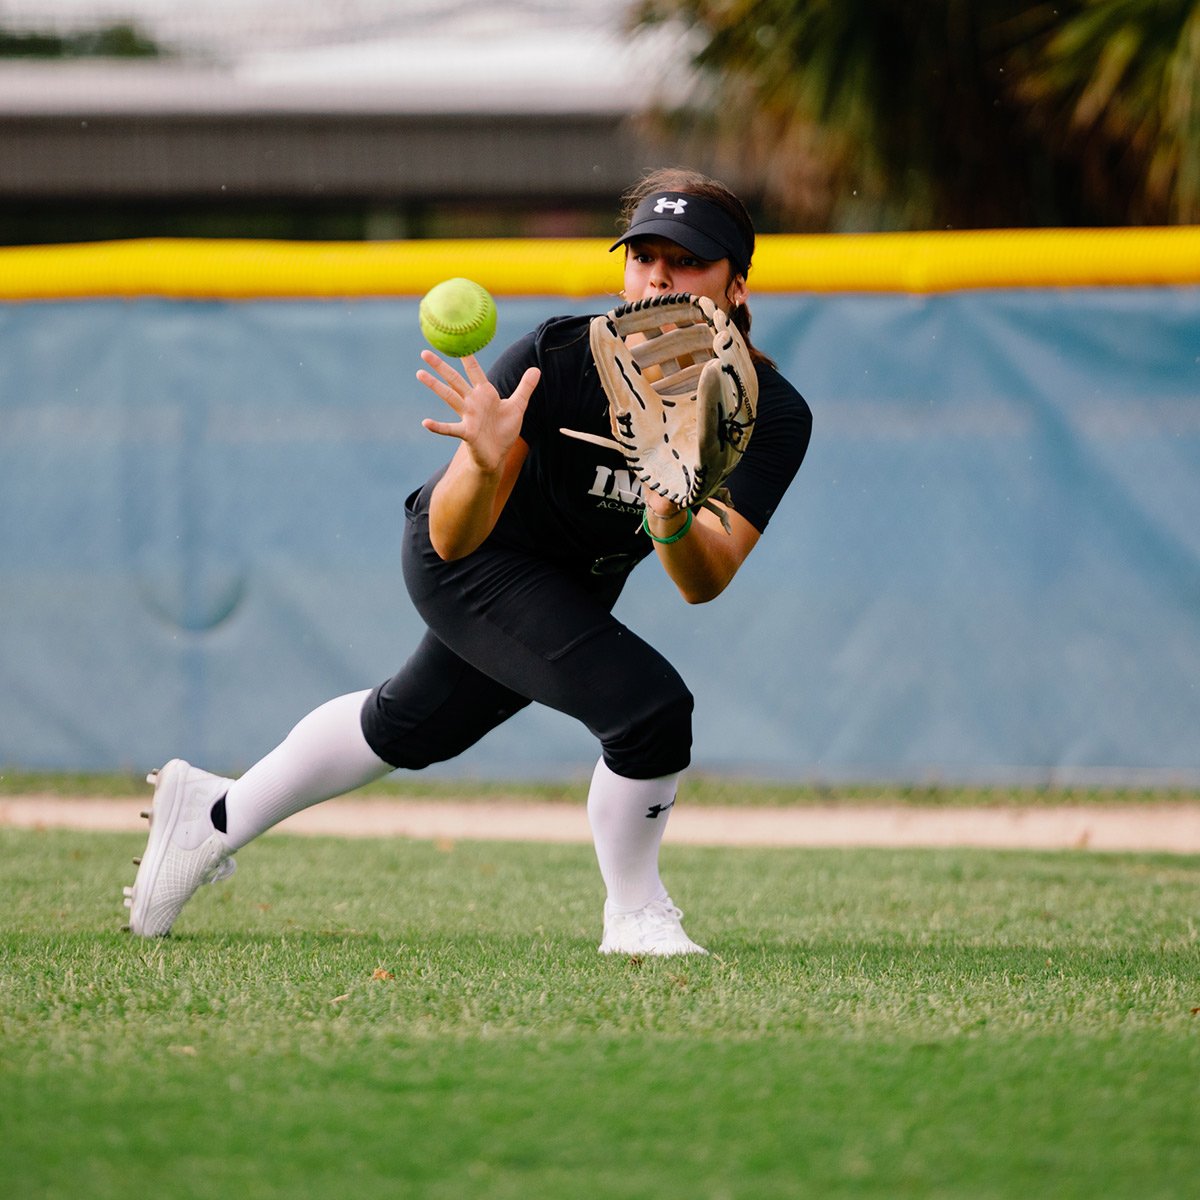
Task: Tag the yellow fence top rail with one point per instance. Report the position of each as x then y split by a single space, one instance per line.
229 269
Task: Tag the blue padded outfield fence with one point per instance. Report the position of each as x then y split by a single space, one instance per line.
988 569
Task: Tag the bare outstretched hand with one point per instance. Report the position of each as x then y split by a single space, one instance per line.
488 423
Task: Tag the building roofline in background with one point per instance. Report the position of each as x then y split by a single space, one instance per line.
560 71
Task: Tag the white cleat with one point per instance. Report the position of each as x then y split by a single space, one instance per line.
184 850
653 929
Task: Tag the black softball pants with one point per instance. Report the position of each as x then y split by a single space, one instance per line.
504 629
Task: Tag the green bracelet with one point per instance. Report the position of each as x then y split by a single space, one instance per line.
667 541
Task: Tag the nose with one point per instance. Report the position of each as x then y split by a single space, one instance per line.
660 276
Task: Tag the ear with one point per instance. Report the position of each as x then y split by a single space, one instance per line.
737 291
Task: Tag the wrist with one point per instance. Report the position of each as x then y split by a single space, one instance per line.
666 531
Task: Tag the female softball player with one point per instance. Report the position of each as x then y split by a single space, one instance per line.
514 555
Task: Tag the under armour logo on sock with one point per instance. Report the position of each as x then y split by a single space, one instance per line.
653 811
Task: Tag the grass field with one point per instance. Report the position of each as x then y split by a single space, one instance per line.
402 1018
699 789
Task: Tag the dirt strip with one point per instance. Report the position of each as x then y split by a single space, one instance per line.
1166 827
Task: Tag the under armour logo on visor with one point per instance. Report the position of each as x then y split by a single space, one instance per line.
665 204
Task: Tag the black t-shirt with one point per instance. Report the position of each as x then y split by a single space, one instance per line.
579 504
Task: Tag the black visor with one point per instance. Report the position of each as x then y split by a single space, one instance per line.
698 225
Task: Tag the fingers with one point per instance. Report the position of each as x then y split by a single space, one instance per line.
445 371
453 388
475 373
445 428
524 389
470 364
445 391
447 382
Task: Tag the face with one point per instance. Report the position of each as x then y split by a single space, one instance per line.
657 267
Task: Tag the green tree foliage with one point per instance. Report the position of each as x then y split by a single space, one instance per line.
1119 83
122 40
936 113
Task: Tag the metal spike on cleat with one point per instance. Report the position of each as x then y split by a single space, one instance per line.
137 862
146 814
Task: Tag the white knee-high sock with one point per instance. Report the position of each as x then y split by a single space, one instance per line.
628 818
324 755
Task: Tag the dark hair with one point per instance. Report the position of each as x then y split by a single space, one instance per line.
693 183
